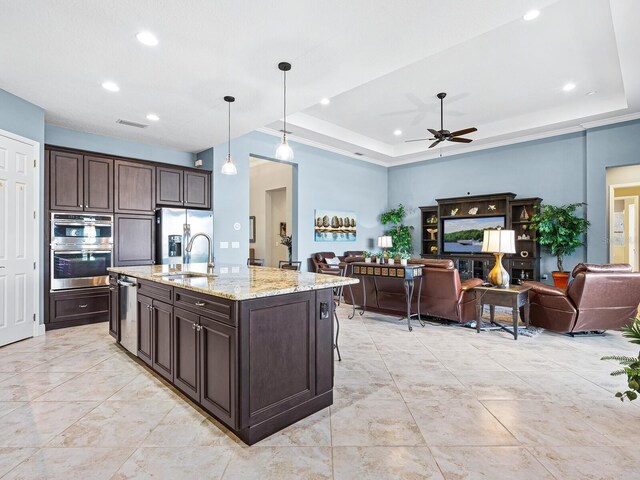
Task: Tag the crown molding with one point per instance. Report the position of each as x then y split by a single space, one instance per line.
610 120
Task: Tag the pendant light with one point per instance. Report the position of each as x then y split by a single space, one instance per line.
284 151
229 168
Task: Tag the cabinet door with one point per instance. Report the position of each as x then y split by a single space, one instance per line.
169 187
66 181
98 184
186 353
162 346
114 312
145 326
197 190
134 240
218 369
135 187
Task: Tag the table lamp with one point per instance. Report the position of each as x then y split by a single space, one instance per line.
499 242
385 242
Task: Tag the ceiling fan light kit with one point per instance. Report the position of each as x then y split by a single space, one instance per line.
284 151
442 134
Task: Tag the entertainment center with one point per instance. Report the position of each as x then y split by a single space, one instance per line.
453 228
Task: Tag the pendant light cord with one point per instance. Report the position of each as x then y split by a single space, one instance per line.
229 135
285 103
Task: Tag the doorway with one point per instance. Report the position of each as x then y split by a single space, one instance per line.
624 220
271 207
19 196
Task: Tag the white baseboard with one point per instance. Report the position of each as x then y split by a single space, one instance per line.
38 329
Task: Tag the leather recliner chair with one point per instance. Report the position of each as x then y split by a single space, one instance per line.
600 297
318 262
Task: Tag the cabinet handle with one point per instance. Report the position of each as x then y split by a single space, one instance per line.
200 304
112 288
193 326
199 327
83 306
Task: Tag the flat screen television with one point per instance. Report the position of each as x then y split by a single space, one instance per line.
464 235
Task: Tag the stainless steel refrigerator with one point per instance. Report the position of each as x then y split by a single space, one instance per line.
174 229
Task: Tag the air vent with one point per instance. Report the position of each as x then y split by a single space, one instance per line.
359 154
129 123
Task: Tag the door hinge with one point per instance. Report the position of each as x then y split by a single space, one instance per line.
34 317
34 265
34 214
34 163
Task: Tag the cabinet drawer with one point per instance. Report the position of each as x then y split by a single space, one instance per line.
74 306
215 308
528 264
156 290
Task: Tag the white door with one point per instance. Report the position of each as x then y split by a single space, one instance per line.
633 239
18 238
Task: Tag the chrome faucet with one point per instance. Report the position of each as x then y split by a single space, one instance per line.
210 260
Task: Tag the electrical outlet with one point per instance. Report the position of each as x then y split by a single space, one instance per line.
544 276
235 244
224 244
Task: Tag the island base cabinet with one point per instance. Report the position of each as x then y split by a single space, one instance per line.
186 353
162 339
144 328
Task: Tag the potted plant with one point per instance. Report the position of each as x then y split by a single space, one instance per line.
376 257
287 241
391 258
630 365
367 256
404 258
400 234
560 233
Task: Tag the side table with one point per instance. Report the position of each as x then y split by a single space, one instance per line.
514 296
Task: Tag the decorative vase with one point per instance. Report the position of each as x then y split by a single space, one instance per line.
391 261
403 262
367 260
560 279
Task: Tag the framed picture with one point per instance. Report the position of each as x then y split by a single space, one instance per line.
283 229
252 229
335 226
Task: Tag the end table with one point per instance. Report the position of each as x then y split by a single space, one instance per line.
514 296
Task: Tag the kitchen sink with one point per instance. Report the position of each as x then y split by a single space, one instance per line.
182 276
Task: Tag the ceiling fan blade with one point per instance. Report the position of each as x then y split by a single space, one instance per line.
460 140
435 143
417 140
434 132
464 132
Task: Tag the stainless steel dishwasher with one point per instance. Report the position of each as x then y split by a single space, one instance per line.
128 313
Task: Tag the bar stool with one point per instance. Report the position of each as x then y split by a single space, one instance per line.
289 265
255 262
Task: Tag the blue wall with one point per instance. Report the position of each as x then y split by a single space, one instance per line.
322 180
64 137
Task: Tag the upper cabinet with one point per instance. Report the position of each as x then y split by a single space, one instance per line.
183 188
135 188
80 182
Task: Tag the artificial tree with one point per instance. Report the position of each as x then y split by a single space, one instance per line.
399 232
560 231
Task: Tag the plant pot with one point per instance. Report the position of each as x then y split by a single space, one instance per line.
391 261
378 260
560 279
403 262
367 260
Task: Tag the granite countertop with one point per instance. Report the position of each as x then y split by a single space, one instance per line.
236 282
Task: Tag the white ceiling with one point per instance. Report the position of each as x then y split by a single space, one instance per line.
381 64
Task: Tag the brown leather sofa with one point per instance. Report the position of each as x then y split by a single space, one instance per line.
443 295
317 261
600 297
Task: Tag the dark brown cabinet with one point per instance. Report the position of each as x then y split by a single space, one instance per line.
145 325
134 240
66 177
197 190
98 184
114 309
162 335
186 353
80 183
135 188
77 307
184 188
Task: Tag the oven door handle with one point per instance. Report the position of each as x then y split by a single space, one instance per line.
75 252
80 224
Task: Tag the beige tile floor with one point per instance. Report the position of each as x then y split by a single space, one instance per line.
439 403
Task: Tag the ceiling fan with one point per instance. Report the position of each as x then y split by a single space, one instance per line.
442 134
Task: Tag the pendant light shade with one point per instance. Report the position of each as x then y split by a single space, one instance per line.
284 151
229 168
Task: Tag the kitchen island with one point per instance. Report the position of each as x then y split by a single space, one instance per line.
253 346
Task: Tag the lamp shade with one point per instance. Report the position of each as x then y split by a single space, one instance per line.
499 241
385 242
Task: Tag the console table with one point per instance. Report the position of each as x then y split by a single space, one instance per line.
514 296
406 273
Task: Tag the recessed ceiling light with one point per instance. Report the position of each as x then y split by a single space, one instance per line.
147 38
592 92
531 15
325 101
153 117
568 87
111 86
397 133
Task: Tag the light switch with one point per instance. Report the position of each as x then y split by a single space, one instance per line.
235 244
224 244
235 269
224 270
